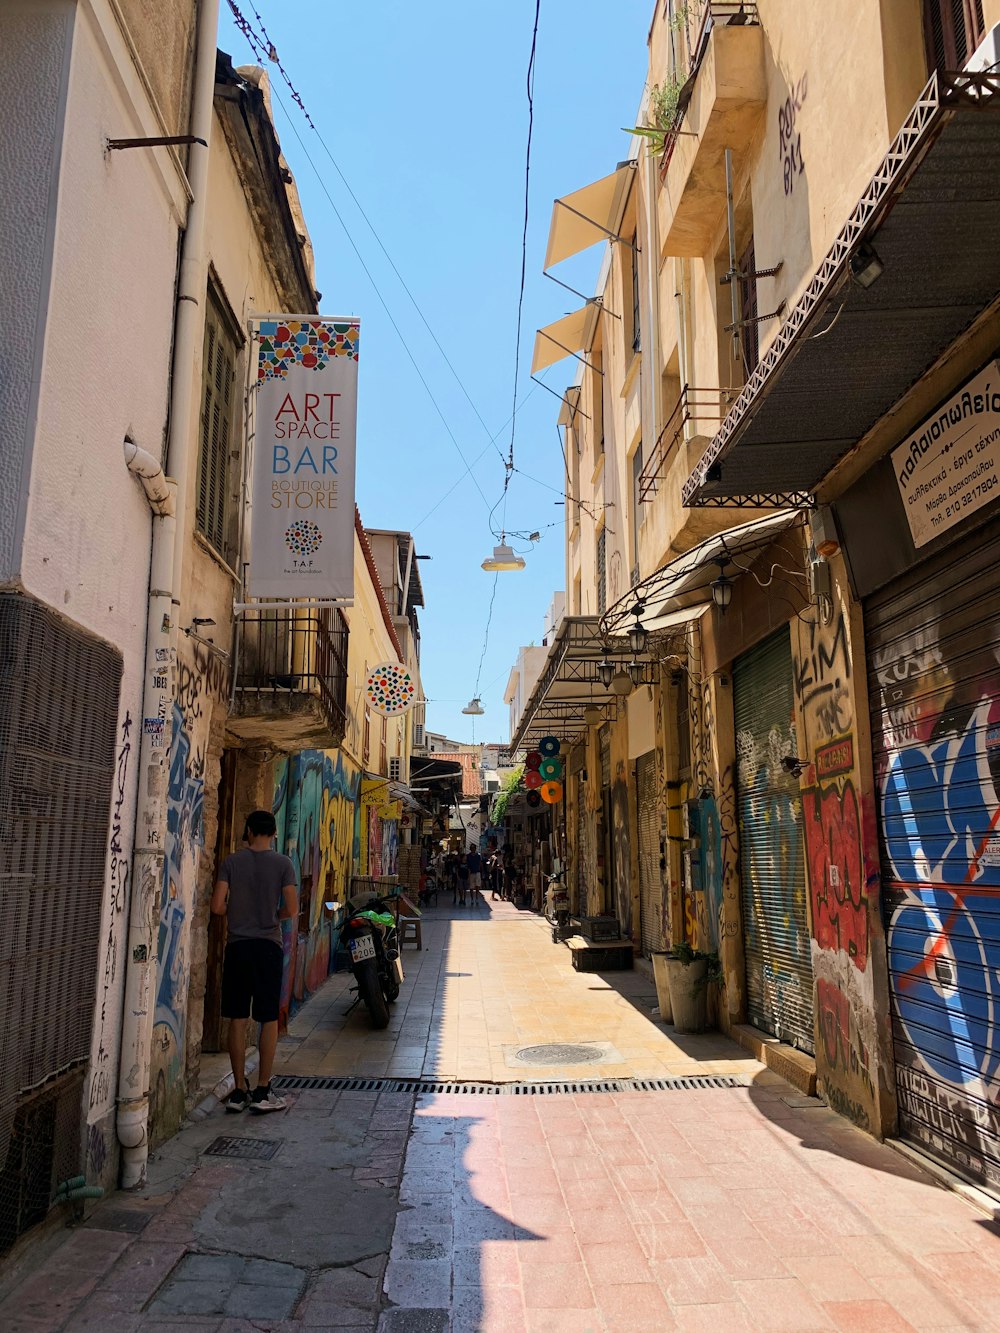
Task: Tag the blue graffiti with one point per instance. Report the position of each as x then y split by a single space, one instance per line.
938 806
185 833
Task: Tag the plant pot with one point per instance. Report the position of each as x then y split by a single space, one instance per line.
662 987
688 994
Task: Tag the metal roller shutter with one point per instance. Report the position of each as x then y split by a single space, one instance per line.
933 642
650 879
772 863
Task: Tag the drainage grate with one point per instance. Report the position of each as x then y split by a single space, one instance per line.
252 1150
304 1082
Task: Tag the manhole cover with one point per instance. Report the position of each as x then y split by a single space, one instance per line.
559 1053
253 1150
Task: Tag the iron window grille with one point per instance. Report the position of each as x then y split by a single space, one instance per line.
289 654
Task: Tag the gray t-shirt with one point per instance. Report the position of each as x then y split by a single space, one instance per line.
255 882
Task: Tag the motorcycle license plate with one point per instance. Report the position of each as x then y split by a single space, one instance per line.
362 948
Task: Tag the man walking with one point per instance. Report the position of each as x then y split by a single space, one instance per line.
475 863
256 891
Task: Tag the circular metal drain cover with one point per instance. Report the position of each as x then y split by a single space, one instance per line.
559 1053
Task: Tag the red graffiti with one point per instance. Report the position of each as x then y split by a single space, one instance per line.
832 826
833 1014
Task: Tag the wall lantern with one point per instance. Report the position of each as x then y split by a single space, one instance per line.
605 672
637 635
722 590
635 672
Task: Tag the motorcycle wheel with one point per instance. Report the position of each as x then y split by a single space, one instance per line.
370 990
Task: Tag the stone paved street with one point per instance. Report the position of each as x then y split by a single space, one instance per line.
744 1207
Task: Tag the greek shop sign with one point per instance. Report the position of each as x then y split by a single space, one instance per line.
950 466
305 425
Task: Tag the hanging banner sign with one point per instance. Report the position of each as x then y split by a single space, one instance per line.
305 427
950 466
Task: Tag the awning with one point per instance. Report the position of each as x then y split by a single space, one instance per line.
587 216
568 683
682 589
399 791
568 336
570 405
847 353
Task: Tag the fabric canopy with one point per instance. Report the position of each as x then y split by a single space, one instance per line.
587 216
572 334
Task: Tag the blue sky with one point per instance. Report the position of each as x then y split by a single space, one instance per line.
424 109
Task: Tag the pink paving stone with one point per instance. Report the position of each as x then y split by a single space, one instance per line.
782 1305
560 1249
634 1308
532 1180
601 1224
792 1237
671 1240
866 1317
494 1263
615 1263
493 1312
747 1258
873 1255
964 1272
729 1317
921 1299
699 1281
564 1321
556 1287
830 1278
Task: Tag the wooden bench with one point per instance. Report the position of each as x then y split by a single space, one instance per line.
409 931
600 955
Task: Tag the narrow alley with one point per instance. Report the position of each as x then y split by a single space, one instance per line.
664 1182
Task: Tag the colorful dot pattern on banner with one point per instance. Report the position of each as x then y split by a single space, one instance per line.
533 799
533 779
307 342
551 768
303 537
551 792
532 759
549 746
390 689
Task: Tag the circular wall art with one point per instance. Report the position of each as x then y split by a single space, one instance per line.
390 689
532 759
533 779
533 799
551 768
549 746
551 792
303 537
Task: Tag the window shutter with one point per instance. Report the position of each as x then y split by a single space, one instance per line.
602 584
749 337
216 429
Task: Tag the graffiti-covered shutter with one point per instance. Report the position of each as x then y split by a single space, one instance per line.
772 864
651 896
933 644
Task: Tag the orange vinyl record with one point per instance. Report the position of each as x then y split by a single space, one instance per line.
551 792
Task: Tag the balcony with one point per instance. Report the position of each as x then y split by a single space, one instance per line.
720 106
290 687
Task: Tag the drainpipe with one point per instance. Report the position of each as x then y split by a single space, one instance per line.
159 491
149 844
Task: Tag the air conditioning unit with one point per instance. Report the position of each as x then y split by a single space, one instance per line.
395 769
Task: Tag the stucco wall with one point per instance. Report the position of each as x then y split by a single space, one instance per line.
163 37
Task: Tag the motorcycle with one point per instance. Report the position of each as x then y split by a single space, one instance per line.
557 907
372 940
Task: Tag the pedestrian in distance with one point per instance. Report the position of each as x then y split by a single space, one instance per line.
462 879
256 890
475 864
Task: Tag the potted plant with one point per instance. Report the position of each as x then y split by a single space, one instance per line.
689 972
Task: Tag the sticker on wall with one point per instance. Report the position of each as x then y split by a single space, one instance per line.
390 689
551 792
549 746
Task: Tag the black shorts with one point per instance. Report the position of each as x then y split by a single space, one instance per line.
251 974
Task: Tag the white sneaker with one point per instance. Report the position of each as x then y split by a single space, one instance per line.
263 1099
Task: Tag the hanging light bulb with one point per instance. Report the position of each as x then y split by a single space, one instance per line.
638 635
503 558
475 707
605 672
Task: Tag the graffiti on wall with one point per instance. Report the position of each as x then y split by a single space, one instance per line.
789 137
621 850
941 829
837 828
317 812
119 854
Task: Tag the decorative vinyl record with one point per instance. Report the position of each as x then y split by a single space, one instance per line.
551 768
533 799
533 779
390 689
549 746
532 759
551 792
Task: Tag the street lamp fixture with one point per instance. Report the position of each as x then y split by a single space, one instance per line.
621 684
475 707
593 716
605 672
503 558
722 590
635 671
638 635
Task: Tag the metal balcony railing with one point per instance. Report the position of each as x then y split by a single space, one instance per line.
713 14
285 656
709 405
